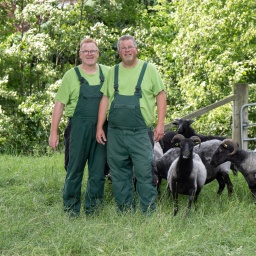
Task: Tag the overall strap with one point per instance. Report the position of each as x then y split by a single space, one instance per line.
80 78
137 88
116 78
101 75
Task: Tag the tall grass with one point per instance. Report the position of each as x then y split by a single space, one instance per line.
32 221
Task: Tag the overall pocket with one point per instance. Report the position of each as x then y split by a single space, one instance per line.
123 115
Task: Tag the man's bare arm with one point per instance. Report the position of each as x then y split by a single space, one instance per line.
56 116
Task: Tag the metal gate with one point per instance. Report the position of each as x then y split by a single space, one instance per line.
246 125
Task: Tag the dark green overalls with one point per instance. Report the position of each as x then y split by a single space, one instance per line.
129 150
82 147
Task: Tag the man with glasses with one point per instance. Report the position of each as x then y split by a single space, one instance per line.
130 92
80 94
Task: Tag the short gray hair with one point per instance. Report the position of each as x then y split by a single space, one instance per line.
126 37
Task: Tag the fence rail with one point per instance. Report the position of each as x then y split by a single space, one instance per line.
205 110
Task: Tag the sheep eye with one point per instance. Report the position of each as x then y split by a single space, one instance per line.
176 144
225 145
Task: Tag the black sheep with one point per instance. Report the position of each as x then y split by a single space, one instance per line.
187 174
184 128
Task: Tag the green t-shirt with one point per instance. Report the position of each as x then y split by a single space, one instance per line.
69 89
151 85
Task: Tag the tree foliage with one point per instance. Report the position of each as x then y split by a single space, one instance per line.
214 48
201 49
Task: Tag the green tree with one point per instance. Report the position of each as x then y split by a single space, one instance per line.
201 49
37 55
214 48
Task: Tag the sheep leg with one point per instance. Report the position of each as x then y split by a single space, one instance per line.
196 197
228 182
191 198
221 182
175 197
253 190
168 191
158 185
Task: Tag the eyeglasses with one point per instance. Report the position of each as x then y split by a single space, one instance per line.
127 48
89 52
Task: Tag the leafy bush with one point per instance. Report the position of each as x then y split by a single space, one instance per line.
201 49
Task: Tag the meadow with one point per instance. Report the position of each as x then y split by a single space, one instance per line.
32 221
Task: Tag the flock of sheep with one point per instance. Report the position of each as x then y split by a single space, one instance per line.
188 161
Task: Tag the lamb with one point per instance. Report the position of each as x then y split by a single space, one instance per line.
221 172
187 173
244 161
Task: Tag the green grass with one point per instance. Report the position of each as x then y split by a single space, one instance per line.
32 221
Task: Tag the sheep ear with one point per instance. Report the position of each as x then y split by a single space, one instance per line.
196 140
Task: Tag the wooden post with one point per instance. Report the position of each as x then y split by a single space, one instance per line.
241 98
